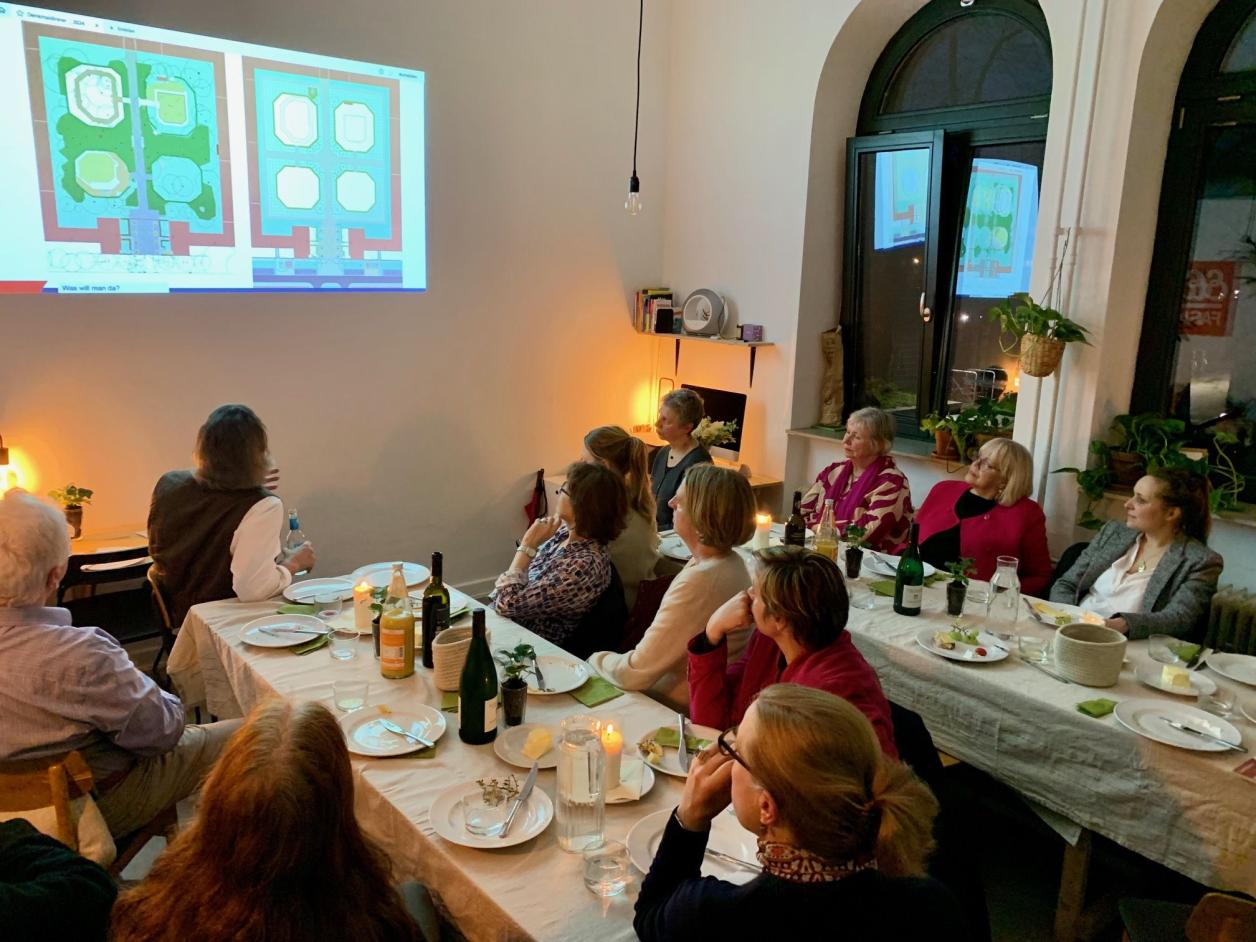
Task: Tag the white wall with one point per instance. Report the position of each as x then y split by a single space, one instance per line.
403 424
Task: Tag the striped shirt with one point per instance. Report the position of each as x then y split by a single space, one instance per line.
885 512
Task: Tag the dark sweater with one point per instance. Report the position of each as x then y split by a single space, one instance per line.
665 481
47 891
676 902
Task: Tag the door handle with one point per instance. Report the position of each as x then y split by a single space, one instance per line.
925 313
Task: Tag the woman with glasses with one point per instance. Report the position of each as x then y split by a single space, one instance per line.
798 606
843 834
987 515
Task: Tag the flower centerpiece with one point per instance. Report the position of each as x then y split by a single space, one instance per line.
708 433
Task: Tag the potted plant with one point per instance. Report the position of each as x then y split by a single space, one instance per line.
1042 333
854 537
941 428
1145 441
957 588
72 500
515 663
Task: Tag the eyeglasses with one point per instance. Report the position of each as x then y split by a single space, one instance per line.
725 742
562 489
984 464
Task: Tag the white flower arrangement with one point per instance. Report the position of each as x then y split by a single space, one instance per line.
710 433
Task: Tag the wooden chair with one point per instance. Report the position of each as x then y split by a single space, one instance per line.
34 784
1217 917
163 619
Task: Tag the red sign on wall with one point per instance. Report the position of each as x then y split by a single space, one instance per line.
1208 303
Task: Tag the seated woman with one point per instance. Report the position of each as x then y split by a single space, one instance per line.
987 515
562 566
679 414
1153 574
214 532
635 552
866 487
798 606
843 835
274 851
714 511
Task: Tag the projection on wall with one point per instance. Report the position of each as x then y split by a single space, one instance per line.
137 159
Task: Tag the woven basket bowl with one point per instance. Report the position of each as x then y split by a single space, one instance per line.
1090 655
449 654
1039 356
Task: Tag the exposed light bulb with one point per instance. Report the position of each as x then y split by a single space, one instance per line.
633 203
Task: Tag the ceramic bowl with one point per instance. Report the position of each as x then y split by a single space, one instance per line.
1090 655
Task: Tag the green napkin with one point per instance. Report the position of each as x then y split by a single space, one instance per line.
292 609
883 587
669 738
1097 708
426 753
449 701
1185 651
935 578
313 644
596 690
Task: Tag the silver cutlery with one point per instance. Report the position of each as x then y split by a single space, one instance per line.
1199 659
1050 673
523 796
735 861
540 678
682 749
1199 732
279 632
413 737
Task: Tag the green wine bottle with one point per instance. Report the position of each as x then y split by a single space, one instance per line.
795 526
435 607
477 690
909 583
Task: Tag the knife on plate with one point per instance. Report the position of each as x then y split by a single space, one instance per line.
682 750
523 796
413 737
278 630
1199 732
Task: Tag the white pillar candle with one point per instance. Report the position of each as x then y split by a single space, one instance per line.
762 530
362 614
613 746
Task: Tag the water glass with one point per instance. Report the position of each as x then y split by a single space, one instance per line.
1003 608
349 695
328 606
860 596
485 818
1034 647
1219 703
342 642
581 806
606 868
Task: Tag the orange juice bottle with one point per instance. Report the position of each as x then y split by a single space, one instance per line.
396 629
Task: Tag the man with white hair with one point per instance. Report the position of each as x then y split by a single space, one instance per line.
64 688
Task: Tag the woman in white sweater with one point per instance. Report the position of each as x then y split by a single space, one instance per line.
714 512
636 550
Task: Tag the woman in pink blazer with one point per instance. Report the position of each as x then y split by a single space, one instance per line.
987 515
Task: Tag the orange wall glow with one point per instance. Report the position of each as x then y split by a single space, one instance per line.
18 472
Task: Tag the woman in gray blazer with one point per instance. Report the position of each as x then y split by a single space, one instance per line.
1154 574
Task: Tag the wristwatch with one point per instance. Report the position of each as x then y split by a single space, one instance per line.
526 550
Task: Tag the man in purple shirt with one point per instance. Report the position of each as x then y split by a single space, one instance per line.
64 688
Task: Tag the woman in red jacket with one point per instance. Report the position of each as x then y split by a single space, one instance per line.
987 515
798 606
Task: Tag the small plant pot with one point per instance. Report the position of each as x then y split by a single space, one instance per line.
944 445
1127 468
514 700
956 592
74 517
854 562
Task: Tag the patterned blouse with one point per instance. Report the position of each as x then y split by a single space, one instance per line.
560 587
885 512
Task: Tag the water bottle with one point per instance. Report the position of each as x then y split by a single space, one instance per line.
1003 607
295 536
581 796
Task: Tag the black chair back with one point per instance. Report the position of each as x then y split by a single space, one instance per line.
123 566
1067 558
602 626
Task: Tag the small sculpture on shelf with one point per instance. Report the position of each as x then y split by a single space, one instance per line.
831 388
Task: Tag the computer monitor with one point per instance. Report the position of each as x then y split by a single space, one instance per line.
724 406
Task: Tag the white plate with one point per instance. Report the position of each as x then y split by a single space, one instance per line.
380 574
459 604
252 632
628 766
304 591
1058 614
670 763
509 746
562 675
673 547
366 737
727 837
1145 718
966 653
885 565
1248 709
1240 667
534 817
1149 674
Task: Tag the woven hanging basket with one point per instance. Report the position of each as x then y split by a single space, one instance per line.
1039 356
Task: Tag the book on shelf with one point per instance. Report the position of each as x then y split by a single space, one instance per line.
647 300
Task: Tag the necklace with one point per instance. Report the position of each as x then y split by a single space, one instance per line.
1144 564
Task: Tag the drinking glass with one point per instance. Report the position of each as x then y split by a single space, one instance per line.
350 695
328 606
606 868
1003 608
1033 647
860 596
1219 703
342 642
581 806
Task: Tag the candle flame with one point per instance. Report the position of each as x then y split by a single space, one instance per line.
761 519
364 586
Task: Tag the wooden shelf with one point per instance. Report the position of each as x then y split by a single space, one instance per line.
752 345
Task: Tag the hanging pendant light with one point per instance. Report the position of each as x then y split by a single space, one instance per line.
633 203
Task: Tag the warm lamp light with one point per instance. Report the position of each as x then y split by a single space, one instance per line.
4 453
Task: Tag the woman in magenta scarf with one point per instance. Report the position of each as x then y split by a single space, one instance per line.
866 487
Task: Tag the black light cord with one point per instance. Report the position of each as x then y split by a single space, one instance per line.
636 120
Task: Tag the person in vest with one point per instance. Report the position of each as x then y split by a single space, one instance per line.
214 533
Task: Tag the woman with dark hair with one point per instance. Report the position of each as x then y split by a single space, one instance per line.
798 606
1153 574
214 531
274 851
679 414
562 565
635 552
843 834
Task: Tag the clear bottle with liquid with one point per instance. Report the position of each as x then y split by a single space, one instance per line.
580 811
826 533
795 526
1003 607
295 536
396 629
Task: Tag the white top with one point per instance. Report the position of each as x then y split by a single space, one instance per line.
1117 589
255 546
658 664
635 552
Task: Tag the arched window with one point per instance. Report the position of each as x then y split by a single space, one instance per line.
1197 356
942 206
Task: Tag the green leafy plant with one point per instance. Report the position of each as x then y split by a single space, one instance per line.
1228 483
961 569
887 395
855 536
517 661
72 496
1154 438
1023 315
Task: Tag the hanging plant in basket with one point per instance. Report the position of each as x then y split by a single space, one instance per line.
1042 333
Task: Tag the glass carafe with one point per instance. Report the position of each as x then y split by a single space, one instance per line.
581 794
1003 608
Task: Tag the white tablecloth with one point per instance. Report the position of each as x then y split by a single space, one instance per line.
531 891
1187 810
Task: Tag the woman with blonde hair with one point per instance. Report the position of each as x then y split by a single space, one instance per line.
635 552
274 851
714 511
987 515
843 834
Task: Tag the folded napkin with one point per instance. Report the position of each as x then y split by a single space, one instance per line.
669 738
883 587
449 701
596 690
294 609
935 578
1097 708
313 644
631 778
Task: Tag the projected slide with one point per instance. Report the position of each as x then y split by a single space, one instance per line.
997 239
143 160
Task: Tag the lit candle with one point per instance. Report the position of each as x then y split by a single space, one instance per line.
762 530
613 745
362 614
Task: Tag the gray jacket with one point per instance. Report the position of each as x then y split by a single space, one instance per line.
1178 594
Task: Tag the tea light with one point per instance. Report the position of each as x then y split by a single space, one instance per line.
762 530
362 614
613 746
